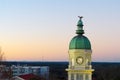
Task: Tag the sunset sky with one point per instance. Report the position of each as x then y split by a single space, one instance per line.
40 30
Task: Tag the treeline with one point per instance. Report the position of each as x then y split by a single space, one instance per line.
103 71
106 71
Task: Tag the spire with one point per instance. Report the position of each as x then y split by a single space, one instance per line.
80 26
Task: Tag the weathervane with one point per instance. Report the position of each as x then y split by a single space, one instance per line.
80 17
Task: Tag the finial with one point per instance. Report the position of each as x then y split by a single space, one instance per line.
80 26
80 23
80 17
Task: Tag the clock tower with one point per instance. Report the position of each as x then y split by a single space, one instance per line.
80 51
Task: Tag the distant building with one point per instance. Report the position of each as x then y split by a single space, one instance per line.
80 51
28 77
36 70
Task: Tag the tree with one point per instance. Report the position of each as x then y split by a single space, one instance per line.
5 72
1 56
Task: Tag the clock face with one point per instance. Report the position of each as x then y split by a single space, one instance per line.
79 60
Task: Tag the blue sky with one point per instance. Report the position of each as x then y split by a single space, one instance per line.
43 28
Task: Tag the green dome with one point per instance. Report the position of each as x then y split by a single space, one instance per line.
80 42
